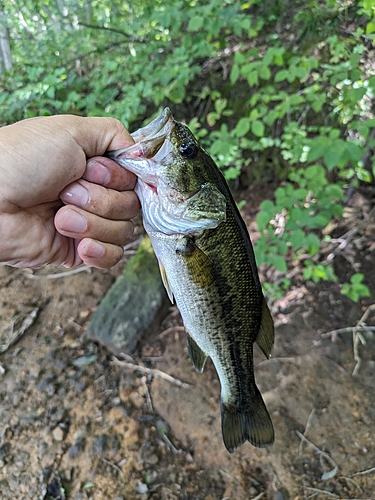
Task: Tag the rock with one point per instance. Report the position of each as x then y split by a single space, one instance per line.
58 434
141 488
77 448
133 306
105 444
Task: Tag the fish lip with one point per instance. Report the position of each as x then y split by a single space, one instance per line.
154 128
148 140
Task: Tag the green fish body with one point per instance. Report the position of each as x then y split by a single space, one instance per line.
208 267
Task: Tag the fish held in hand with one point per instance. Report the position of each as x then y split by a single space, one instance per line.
207 265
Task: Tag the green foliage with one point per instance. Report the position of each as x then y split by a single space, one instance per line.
355 290
303 204
275 90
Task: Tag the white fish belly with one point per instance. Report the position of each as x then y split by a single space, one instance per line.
195 305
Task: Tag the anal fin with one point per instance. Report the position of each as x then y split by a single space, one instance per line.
266 335
197 356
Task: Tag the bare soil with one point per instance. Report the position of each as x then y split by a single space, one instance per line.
75 424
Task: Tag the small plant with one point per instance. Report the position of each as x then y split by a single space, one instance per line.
356 290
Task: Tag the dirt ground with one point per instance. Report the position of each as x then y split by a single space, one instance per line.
76 423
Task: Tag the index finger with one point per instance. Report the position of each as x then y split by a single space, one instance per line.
104 171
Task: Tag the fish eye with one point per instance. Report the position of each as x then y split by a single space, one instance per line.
189 150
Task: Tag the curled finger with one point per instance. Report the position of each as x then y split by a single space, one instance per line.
98 254
107 203
76 223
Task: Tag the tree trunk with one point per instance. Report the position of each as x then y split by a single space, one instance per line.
5 56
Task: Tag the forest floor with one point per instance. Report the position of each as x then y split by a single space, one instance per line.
77 423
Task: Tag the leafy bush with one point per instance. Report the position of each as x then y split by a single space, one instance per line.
275 90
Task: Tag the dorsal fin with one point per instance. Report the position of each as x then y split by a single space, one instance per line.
197 356
266 335
166 284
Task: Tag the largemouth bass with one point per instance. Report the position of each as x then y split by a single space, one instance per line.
207 265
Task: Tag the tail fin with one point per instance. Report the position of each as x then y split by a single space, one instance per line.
253 424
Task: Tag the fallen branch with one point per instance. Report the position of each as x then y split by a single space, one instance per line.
357 336
55 276
349 329
149 371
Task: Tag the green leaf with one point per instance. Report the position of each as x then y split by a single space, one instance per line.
263 219
257 128
296 238
317 148
312 243
242 127
281 75
282 247
264 73
268 206
278 263
220 105
370 28
195 23
268 56
356 278
331 157
234 74
252 78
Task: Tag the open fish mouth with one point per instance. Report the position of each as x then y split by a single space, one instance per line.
159 126
148 140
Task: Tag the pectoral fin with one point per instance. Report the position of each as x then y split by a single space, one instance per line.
166 284
199 264
266 335
197 356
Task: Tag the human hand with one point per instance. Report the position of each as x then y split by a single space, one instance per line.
61 202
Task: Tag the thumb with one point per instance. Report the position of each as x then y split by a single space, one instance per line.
96 135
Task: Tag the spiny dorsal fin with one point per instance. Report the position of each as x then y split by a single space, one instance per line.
266 335
197 356
164 278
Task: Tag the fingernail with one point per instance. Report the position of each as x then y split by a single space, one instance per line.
76 194
93 249
72 221
97 172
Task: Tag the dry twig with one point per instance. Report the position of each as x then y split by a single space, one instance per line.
55 276
147 394
15 333
362 473
172 329
308 425
169 443
150 371
320 452
357 336
116 467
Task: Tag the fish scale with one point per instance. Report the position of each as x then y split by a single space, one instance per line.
208 267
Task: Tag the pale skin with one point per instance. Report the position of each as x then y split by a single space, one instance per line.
61 201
